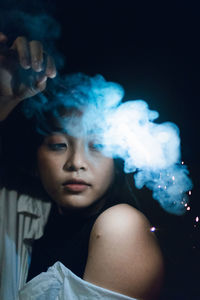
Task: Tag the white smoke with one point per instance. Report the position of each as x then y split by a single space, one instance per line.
150 150
126 130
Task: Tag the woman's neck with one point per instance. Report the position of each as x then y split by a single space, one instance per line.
89 211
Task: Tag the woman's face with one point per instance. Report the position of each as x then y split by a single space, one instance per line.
73 171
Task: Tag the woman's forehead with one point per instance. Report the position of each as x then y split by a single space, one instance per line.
64 119
89 136
77 122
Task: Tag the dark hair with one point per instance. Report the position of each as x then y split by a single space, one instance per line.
21 137
25 128
19 143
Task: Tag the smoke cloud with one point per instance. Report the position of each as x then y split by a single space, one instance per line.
126 130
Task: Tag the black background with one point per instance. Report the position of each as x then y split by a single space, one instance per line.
151 49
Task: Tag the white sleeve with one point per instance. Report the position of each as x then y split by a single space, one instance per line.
59 283
22 220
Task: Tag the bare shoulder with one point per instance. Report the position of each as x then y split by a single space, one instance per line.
121 212
124 254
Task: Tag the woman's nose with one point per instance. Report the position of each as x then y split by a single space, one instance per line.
77 160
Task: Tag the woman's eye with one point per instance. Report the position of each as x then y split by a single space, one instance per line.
57 146
95 147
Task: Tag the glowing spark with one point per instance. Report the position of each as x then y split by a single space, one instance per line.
190 192
182 162
173 178
153 229
185 204
188 208
197 219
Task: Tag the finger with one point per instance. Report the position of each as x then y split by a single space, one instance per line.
40 78
50 67
36 52
22 48
3 38
31 91
41 85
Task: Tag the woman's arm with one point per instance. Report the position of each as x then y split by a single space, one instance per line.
124 255
23 72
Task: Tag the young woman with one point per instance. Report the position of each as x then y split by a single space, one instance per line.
69 202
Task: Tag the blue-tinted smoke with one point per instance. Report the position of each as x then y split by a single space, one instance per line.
32 21
125 130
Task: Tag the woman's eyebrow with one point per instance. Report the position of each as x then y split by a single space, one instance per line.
58 132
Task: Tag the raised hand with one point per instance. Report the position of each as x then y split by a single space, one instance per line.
24 70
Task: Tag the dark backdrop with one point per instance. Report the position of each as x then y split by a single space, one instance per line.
152 49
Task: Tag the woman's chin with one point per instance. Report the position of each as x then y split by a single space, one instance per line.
79 203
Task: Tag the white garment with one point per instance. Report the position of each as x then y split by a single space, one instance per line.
22 219
59 283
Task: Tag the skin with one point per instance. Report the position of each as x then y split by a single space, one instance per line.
123 255
61 158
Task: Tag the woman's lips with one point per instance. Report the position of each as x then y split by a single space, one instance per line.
76 186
